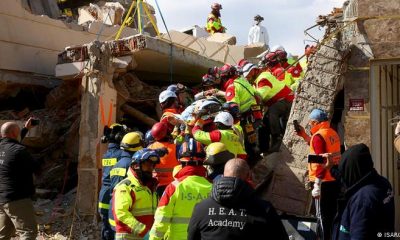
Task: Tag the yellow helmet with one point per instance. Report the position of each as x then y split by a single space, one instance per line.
132 142
217 153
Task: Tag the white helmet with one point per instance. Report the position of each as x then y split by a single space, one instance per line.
247 69
224 118
277 47
164 95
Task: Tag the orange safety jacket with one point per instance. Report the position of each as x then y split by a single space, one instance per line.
332 145
163 170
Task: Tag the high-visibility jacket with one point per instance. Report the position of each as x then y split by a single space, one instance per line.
274 90
117 174
176 205
244 95
214 24
133 207
110 158
232 141
332 145
163 170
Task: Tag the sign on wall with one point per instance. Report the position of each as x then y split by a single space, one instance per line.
356 105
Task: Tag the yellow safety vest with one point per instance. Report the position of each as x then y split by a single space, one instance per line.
133 216
216 24
244 94
232 142
174 217
268 92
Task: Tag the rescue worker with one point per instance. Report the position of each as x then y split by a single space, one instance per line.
291 74
325 188
225 134
234 211
216 156
169 106
130 143
214 24
210 85
113 135
258 33
190 187
134 199
163 170
240 91
277 97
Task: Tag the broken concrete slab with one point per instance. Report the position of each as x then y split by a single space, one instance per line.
224 38
213 50
40 52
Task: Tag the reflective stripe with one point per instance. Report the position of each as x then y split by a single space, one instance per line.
112 222
180 220
127 236
160 170
118 172
163 219
108 162
104 205
143 211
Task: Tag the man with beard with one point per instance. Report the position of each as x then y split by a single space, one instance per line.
134 199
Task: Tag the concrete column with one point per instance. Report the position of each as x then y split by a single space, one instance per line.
98 108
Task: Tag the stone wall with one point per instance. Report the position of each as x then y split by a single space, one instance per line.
322 82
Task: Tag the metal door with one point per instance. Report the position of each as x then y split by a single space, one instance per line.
385 105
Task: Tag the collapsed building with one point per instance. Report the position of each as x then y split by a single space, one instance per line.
95 81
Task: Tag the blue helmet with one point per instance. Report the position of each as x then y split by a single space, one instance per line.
191 151
318 115
144 155
148 138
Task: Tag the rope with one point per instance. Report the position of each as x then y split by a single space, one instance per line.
150 18
124 22
139 16
170 39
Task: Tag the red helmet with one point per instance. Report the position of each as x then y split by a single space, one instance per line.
216 6
242 62
209 80
159 131
270 59
226 71
282 55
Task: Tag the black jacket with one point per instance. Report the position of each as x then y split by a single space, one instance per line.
16 169
234 212
367 207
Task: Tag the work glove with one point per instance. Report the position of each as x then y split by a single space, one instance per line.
316 192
